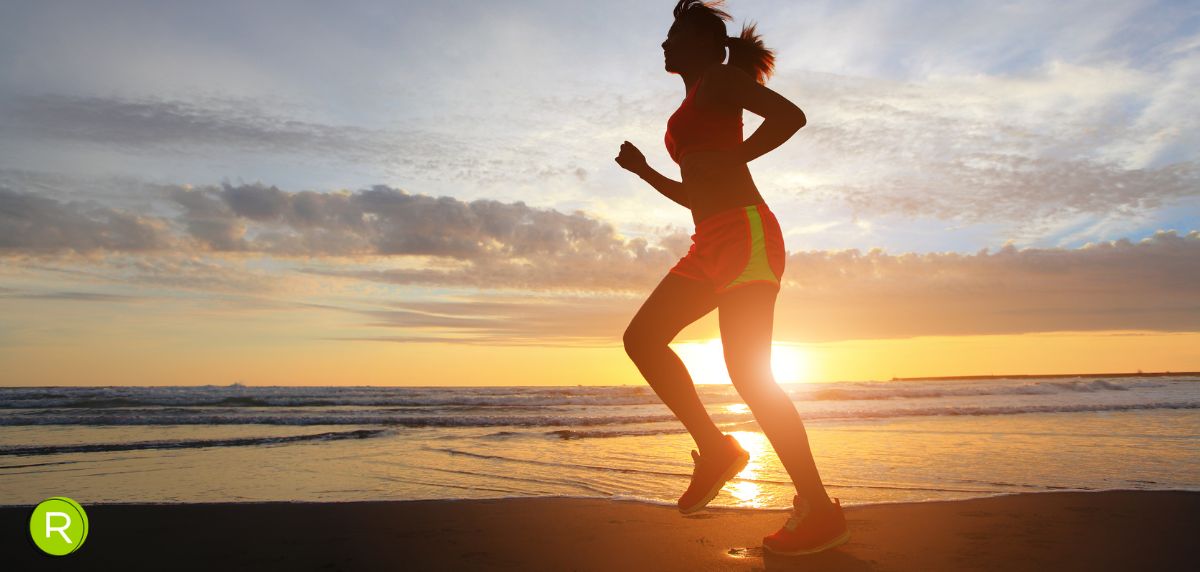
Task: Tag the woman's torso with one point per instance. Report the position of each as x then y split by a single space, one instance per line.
699 136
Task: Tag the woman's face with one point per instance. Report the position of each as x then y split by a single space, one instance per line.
684 48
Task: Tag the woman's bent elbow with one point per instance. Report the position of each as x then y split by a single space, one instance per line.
631 339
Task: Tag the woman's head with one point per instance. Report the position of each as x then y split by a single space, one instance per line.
697 39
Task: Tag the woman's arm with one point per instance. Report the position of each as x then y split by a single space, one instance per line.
671 189
632 160
781 118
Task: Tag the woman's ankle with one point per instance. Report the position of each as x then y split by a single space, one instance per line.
718 445
819 505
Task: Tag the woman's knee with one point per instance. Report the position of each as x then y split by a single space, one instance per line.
755 385
639 340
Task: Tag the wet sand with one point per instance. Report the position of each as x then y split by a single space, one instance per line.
1115 530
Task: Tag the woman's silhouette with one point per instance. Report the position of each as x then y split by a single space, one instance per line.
734 264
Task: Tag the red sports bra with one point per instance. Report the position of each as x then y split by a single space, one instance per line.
696 128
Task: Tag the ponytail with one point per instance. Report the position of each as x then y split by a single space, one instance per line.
748 53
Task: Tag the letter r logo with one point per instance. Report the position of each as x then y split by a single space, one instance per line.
58 526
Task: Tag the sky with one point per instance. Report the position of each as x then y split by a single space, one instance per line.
424 193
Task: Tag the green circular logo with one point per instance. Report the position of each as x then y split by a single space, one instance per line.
58 526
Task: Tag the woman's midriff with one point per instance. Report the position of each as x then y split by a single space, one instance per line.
716 182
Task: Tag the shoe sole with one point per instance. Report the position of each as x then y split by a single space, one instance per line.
729 474
840 540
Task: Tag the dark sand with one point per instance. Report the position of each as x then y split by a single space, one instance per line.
1117 530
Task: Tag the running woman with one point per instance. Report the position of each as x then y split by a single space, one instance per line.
735 264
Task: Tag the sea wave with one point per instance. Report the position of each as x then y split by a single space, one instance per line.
572 411
29 450
282 396
177 416
899 390
291 417
490 398
751 424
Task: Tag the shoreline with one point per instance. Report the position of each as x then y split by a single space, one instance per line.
1098 530
614 499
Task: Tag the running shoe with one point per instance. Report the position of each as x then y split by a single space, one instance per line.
710 474
806 533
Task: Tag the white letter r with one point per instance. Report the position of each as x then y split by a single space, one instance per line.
61 529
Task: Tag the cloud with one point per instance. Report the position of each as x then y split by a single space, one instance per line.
1120 284
67 295
34 224
215 276
845 295
1017 114
484 243
492 319
1026 150
181 126
1025 119
571 279
984 187
481 243
211 128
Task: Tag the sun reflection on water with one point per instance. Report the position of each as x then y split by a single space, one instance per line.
749 494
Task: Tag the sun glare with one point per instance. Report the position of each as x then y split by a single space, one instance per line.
706 361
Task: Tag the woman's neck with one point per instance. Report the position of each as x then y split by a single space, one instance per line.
692 77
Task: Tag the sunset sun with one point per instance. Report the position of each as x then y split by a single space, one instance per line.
706 361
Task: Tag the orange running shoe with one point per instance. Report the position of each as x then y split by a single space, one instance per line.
805 533
710 474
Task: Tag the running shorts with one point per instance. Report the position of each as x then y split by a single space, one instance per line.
734 247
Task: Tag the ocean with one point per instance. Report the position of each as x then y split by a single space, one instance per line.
874 442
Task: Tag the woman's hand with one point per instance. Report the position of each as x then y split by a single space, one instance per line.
631 159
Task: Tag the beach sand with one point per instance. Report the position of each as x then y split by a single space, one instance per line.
1113 530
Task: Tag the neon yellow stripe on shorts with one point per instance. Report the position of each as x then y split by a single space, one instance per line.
757 268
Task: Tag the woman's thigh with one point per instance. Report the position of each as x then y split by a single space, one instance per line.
676 302
746 318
